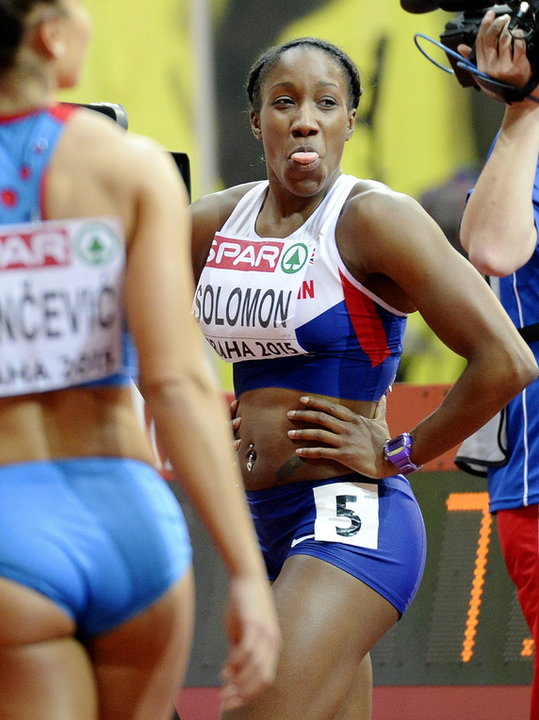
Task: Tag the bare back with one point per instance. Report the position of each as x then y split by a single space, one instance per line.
90 175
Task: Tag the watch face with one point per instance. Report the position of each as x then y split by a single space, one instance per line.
397 451
399 444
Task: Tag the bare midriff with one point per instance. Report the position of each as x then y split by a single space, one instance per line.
267 455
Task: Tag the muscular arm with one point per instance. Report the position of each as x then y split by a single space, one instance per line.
175 377
189 413
395 237
498 228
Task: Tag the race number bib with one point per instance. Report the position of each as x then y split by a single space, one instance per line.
60 303
245 301
347 513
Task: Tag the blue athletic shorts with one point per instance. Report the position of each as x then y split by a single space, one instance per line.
373 530
101 537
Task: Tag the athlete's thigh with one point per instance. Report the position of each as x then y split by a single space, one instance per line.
327 615
329 620
28 616
45 672
140 665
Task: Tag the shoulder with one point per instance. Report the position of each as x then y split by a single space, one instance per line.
380 228
208 215
99 168
372 201
215 208
103 146
376 211
88 127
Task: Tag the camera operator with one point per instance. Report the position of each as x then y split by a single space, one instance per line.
500 235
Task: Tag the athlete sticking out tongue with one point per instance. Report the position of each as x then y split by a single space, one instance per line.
315 333
304 157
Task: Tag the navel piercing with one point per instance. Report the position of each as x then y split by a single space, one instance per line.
251 457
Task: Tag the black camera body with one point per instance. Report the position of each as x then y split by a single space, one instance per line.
463 29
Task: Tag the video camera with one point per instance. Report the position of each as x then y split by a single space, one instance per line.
463 29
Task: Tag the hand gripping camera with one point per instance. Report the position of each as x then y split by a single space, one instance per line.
463 29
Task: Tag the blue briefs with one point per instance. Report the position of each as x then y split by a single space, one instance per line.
373 530
102 537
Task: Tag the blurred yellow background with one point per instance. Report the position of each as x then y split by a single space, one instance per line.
143 56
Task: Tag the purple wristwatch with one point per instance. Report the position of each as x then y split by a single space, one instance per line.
397 451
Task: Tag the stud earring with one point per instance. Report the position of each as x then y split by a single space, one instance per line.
58 50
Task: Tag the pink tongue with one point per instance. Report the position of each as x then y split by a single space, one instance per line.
304 158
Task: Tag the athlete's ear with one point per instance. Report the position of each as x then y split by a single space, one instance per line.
255 125
351 124
50 36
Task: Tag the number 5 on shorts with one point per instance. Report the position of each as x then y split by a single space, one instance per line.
347 513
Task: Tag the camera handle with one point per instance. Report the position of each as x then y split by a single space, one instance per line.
510 93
